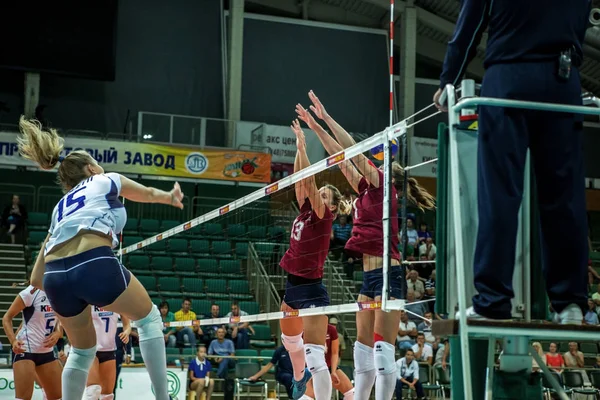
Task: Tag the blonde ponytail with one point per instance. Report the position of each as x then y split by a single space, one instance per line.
417 194
41 147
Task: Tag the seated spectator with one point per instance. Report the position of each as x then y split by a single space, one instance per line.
222 347
535 367
430 290
186 335
407 332
340 233
417 310
411 232
210 331
413 282
428 249
591 317
442 355
422 351
14 219
167 316
408 374
284 374
597 365
423 233
573 357
425 327
555 360
199 374
596 298
240 332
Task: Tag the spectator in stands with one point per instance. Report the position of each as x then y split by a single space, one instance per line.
210 332
591 317
573 358
425 327
597 365
422 351
199 374
284 372
334 321
430 290
408 374
407 332
411 232
596 298
417 310
187 335
415 284
340 233
442 355
222 347
240 332
535 367
555 360
428 249
167 316
14 218
423 233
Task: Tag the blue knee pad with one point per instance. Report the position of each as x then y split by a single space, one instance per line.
151 326
81 359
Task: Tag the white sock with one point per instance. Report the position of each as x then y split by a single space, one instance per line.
349 395
75 373
107 396
92 392
385 385
155 359
364 368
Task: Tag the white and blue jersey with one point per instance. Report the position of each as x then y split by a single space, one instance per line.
92 205
38 320
105 325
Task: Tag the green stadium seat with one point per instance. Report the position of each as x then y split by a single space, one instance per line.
185 266
37 221
224 306
149 282
217 288
208 267
262 337
212 230
241 250
131 227
149 227
201 307
358 276
174 304
162 266
157 248
265 250
193 287
240 290
588 348
240 353
268 355
178 247
169 286
129 240
236 231
222 249
200 248
256 232
251 307
168 224
173 354
139 264
231 269
276 233
156 300
36 238
192 233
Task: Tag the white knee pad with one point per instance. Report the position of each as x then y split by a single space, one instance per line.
92 392
349 395
107 396
292 343
81 359
363 358
151 326
383 355
315 358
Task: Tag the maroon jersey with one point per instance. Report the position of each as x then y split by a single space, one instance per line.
367 225
332 335
309 243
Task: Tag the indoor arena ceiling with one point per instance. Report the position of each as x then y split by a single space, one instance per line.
435 26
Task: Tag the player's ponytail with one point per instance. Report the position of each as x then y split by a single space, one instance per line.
417 194
342 207
41 147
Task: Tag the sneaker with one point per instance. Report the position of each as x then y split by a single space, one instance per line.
571 315
471 314
299 387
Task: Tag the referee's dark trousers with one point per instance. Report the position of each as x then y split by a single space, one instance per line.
556 141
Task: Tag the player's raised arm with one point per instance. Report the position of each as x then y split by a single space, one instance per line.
142 194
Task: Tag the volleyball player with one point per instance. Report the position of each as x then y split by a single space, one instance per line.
103 374
303 261
33 344
78 268
374 350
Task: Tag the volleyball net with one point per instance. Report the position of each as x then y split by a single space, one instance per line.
233 252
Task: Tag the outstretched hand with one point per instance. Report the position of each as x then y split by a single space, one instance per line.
300 139
177 196
317 106
305 116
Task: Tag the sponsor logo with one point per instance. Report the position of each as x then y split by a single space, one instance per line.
272 189
224 210
290 314
46 309
173 385
336 159
187 226
196 163
246 166
369 305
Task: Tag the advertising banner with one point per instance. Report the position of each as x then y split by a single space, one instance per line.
157 159
423 149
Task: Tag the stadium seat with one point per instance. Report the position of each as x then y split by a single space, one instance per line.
243 385
239 290
169 286
224 306
588 348
168 224
217 288
208 267
137 355
36 238
212 230
178 247
256 232
200 248
231 269
236 231
251 307
276 233
156 300
222 249
139 264
193 287
185 266
162 266
157 248
191 233
201 307
149 282
129 240
174 304
173 354
37 221
131 227
240 353
149 227
267 354
262 337
241 250
265 250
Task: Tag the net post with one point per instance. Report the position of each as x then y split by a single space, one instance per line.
404 287
387 227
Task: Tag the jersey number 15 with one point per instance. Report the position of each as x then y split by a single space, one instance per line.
68 205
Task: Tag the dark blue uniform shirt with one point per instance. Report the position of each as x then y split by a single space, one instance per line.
519 31
281 358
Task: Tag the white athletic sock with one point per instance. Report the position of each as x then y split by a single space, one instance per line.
153 352
349 395
385 385
364 367
107 396
75 373
92 392
315 361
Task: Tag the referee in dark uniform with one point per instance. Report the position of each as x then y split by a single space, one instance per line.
534 48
